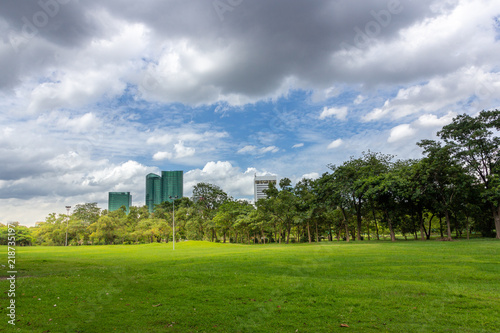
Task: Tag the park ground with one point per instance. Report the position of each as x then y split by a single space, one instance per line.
365 286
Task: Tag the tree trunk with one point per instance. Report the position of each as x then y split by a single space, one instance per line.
288 234
448 224
358 218
456 227
224 237
428 235
496 216
391 229
441 226
317 233
368 228
376 225
468 227
308 232
423 232
345 224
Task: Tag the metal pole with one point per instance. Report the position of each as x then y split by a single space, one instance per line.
173 219
173 222
67 222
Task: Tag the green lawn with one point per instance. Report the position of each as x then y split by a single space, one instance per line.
372 286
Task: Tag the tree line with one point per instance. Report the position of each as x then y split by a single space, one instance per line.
452 191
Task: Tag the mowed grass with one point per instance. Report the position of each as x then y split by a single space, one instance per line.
205 287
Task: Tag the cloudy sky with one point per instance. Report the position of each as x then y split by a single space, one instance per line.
96 94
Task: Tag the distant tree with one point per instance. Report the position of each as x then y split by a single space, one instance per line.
449 180
473 142
110 228
23 235
353 179
87 213
208 198
282 205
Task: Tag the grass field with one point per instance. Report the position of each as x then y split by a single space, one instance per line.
205 287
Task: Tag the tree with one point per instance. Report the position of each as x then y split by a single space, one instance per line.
208 198
447 178
353 177
282 205
472 141
109 228
87 213
23 235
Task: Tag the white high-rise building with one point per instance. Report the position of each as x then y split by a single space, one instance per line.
260 184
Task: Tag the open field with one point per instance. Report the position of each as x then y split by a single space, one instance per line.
206 287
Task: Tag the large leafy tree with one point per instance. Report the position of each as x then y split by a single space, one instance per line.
474 143
87 213
449 180
330 190
208 198
354 178
281 205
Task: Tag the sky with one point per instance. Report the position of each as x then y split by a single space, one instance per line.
94 94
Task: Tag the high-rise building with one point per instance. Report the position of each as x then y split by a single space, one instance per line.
260 184
161 188
153 191
118 199
171 184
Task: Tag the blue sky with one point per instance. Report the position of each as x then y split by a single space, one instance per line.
97 94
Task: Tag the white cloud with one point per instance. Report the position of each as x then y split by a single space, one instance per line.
401 132
431 120
182 151
85 123
115 175
359 99
185 133
250 149
247 149
442 93
231 179
335 144
270 149
162 155
339 113
312 175
298 145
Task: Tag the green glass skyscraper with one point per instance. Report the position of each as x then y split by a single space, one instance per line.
118 199
171 184
153 191
160 189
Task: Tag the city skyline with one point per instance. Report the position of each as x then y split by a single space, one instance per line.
96 95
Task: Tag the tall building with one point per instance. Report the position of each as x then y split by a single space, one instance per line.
260 184
118 199
171 184
161 188
153 191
